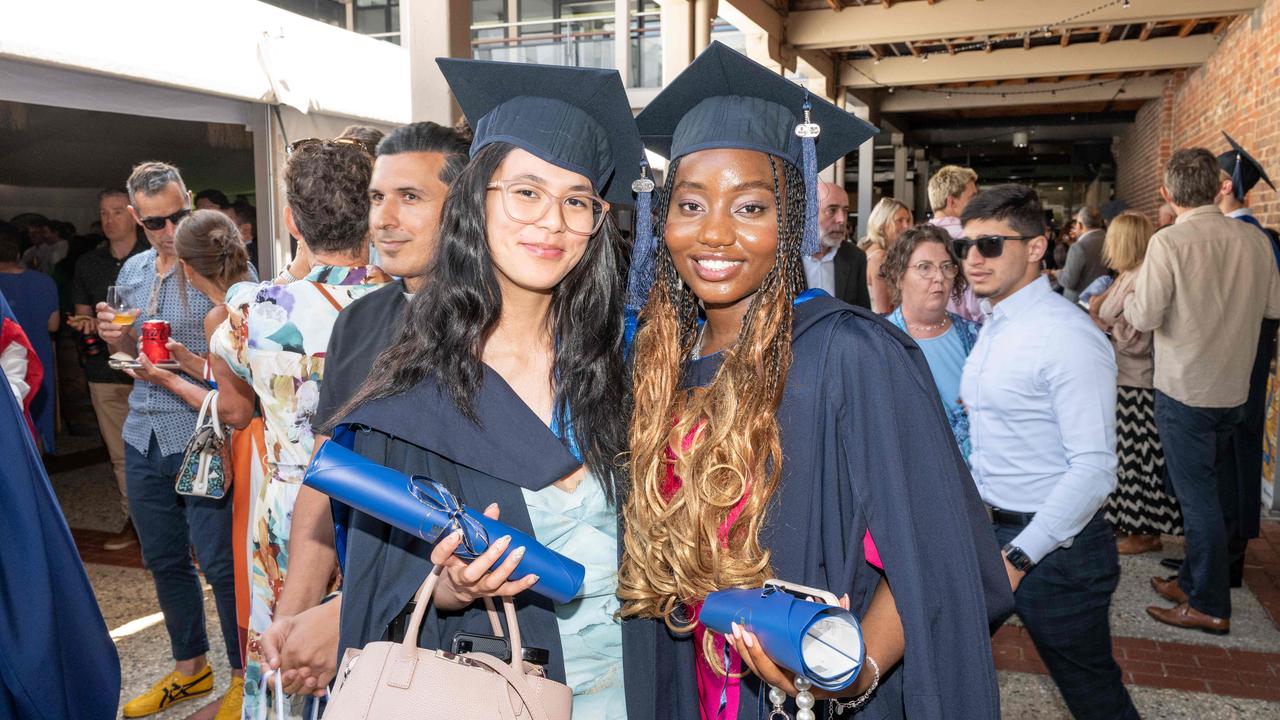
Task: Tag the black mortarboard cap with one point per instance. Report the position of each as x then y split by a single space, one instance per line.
726 100
1245 171
575 118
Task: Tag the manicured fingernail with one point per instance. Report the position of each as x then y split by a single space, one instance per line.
536 578
504 540
492 506
747 640
519 553
737 633
455 535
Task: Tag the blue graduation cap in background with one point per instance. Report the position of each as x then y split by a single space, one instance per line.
1244 170
575 118
726 100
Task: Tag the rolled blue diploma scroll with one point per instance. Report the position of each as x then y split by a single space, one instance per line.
422 507
820 642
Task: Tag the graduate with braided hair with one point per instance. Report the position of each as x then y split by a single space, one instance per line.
776 431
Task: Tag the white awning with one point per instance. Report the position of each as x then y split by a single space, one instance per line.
165 53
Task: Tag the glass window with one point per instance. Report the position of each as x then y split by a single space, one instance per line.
326 11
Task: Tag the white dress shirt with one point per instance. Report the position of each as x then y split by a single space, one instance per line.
821 273
1040 389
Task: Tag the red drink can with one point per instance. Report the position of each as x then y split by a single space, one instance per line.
155 335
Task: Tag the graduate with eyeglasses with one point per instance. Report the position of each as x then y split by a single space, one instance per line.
781 433
505 382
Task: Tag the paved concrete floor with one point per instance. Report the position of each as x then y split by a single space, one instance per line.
90 501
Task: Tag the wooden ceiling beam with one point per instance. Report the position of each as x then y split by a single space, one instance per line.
1116 56
1146 31
910 99
1104 34
1187 27
862 25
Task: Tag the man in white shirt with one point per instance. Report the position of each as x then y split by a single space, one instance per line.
839 267
1040 388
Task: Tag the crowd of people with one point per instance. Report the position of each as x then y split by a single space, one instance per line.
986 426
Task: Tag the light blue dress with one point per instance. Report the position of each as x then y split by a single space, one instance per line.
583 526
946 355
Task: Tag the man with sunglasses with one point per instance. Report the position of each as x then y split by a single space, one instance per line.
156 431
1040 389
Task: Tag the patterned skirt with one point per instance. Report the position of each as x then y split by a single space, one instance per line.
1139 505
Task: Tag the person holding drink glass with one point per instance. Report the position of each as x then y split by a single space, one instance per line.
149 288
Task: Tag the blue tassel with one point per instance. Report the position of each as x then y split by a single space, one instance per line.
644 247
808 132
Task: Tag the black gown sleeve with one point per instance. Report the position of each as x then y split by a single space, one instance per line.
922 508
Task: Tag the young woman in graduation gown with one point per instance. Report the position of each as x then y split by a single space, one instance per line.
780 433
506 382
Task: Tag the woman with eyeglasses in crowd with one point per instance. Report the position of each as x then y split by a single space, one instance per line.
505 382
923 275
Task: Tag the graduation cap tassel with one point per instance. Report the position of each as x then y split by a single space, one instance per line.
643 250
808 132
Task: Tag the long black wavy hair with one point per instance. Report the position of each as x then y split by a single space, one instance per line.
448 321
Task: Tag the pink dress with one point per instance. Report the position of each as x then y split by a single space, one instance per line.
718 695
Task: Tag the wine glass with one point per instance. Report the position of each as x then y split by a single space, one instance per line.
124 315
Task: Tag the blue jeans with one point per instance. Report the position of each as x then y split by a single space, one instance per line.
1063 602
1198 471
168 525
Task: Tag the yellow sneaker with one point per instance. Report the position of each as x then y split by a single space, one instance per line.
171 690
232 701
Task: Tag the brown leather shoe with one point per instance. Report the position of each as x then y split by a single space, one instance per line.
123 539
1138 544
1185 616
1168 589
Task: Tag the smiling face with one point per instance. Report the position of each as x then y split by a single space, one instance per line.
722 225
536 255
405 197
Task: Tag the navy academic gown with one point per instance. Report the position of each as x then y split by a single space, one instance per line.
57 661
422 432
866 444
1241 497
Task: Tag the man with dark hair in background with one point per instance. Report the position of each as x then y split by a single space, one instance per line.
108 389
411 176
212 199
245 216
1084 259
33 296
1040 389
1205 286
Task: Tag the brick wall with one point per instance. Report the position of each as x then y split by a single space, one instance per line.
1236 90
1142 151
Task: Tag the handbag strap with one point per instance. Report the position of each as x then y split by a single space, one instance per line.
409 646
204 407
327 296
516 679
213 414
261 713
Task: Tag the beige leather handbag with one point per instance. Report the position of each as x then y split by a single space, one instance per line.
400 681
